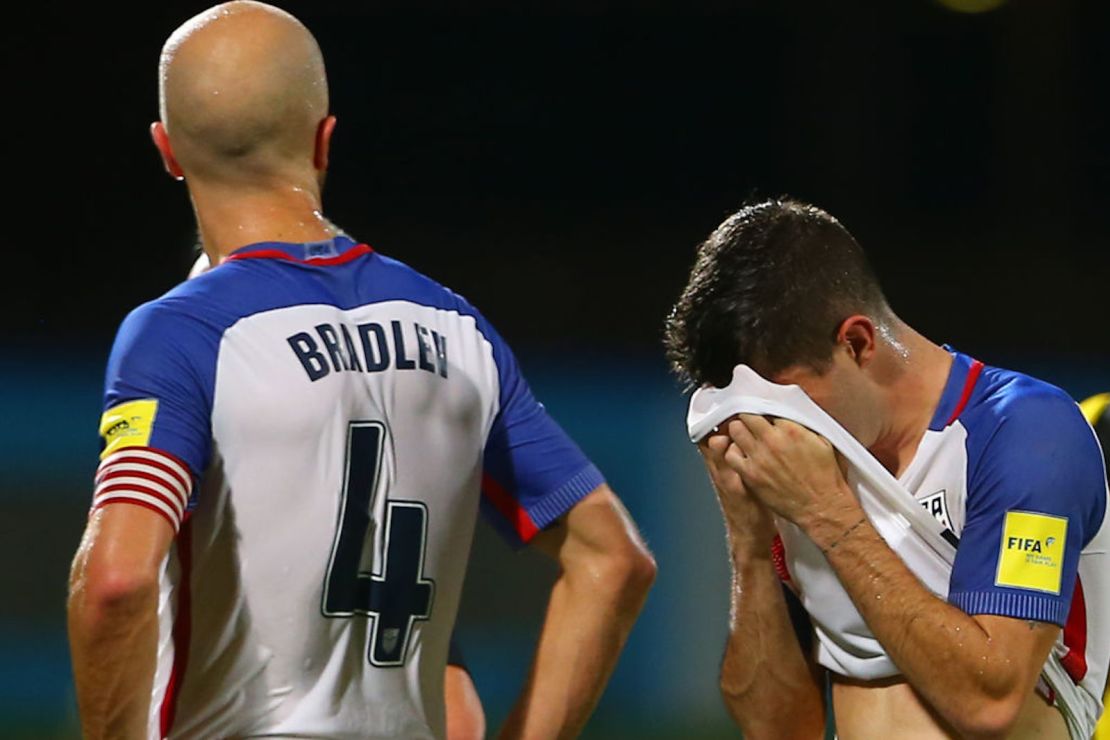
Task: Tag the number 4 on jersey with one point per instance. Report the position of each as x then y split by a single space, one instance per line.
395 594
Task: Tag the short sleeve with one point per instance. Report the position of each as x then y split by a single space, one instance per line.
155 429
1036 497
533 472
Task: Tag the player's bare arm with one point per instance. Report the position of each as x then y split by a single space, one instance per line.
605 573
113 612
976 672
465 718
770 687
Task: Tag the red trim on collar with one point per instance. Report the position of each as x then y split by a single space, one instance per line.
276 254
969 385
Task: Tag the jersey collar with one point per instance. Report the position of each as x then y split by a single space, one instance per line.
334 251
957 391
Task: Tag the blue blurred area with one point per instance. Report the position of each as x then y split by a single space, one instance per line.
52 404
625 412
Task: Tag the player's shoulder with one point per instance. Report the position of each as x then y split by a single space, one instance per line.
188 319
408 283
209 304
1014 402
396 280
160 330
1029 427
1029 447
182 308
240 288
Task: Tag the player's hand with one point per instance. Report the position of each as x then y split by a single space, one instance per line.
750 525
793 471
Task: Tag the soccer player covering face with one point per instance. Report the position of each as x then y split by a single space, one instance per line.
782 287
296 443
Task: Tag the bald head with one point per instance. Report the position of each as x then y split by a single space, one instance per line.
242 90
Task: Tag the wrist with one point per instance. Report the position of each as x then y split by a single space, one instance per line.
746 546
839 516
743 560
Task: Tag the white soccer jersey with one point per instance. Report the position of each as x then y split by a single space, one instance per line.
1012 470
320 422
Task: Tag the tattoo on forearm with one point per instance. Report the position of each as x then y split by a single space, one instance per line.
844 535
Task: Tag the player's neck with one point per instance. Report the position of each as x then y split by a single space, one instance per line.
229 219
919 375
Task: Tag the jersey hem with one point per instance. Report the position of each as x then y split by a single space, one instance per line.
1016 605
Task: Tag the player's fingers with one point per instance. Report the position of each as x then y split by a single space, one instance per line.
714 444
725 479
741 435
792 428
735 458
758 426
797 433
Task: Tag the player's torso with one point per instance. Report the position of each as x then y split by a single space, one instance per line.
866 710
330 538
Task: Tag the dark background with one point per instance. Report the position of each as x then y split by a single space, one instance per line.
558 166
557 163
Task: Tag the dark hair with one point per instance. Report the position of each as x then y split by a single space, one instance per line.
769 288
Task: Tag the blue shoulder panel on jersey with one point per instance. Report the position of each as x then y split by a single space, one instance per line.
1036 496
167 350
164 355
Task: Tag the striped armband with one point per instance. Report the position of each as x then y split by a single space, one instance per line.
145 477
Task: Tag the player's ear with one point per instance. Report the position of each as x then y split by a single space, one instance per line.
323 142
857 335
162 142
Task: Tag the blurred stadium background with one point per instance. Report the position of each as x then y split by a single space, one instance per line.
557 163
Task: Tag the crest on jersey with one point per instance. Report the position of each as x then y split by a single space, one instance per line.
389 639
937 505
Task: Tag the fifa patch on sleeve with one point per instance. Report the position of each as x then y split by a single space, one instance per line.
1032 551
127 425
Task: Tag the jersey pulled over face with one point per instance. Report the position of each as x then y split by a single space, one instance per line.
320 423
1013 472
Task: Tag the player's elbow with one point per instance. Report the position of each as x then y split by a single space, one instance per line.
631 569
624 570
602 552
466 719
103 589
988 718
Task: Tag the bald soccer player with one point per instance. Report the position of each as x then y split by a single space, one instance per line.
295 445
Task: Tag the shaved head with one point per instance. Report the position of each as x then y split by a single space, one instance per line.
242 92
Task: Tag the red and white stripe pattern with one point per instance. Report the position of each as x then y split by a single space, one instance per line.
145 477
